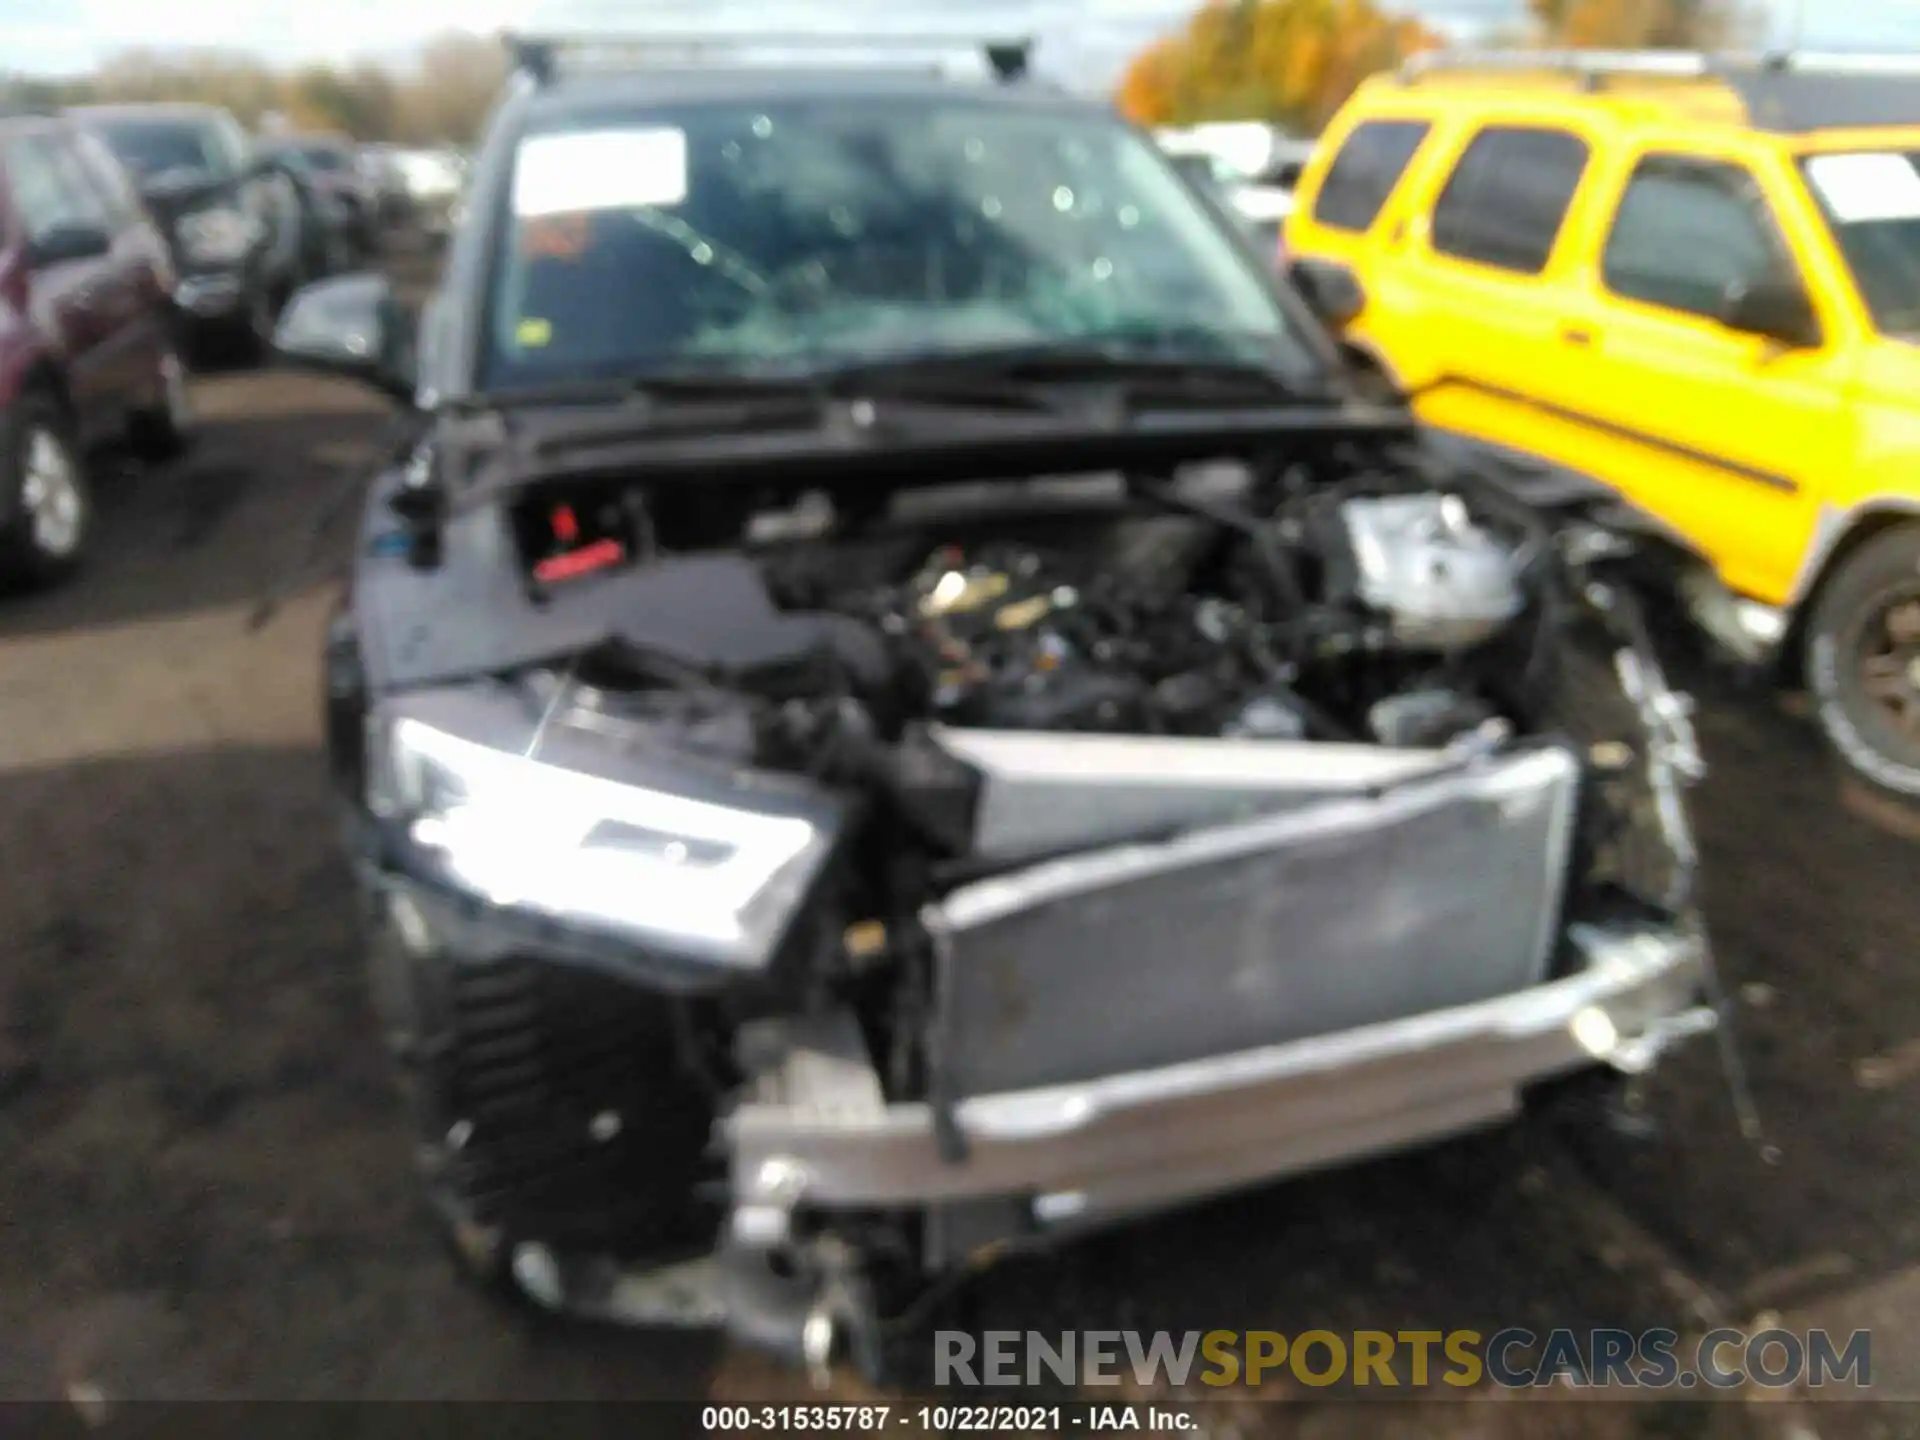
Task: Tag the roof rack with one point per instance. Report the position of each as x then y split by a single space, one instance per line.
1838 62
1595 67
1591 66
540 56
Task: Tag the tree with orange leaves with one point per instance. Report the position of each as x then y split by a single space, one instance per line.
1292 62
1148 89
1639 24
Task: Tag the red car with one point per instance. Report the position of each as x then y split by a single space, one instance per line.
87 351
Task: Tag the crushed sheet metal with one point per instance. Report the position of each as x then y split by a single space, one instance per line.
1229 1119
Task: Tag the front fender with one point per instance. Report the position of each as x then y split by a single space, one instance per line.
1883 480
1835 525
22 351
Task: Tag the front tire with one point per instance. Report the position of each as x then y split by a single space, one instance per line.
45 499
1863 662
253 330
165 430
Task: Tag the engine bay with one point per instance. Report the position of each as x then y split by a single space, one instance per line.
1371 614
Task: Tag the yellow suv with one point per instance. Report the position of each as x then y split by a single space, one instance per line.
1694 279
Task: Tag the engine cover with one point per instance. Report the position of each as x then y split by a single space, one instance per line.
1442 581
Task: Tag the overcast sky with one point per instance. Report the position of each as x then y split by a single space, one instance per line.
1081 40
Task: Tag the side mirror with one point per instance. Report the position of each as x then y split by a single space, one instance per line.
352 326
1775 308
1332 291
65 243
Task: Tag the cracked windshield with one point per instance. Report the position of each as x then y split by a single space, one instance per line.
812 233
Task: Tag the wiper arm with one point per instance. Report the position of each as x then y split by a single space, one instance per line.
1156 357
1029 372
673 385
664 399
1051 380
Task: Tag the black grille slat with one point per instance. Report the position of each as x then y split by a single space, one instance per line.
539 1051
492 1049
477 984
504 1080
499 1019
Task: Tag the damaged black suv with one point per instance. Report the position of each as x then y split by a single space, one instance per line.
892 703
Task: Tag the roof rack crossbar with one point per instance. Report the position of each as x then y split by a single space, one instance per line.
1590 65
1595 66
1840 62
540 55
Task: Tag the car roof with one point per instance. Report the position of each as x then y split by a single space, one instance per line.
1793 102
1787 96
1475 95
17 121
1262 202
715 85
158 110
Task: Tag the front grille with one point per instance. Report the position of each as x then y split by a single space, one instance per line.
576 1123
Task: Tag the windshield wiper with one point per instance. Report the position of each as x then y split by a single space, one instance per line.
669 385
1113 377
1037 373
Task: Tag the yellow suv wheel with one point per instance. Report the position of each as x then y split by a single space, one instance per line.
1863 661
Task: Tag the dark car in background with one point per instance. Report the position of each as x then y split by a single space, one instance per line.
331 164
234 225
384 184
1260 198
432 180
332 230
87 357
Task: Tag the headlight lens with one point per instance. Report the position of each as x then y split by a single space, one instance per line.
217 236
710 879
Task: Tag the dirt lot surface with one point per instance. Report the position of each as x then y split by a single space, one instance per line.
205 1186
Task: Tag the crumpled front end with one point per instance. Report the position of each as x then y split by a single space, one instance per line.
1397 950
1007 891
1145 1025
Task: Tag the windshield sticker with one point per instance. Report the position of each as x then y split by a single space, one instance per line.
600 170
1877 186
532 333
556 237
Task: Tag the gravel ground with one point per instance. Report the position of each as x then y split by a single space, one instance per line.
206 1187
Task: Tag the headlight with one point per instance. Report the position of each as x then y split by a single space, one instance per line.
716 881
215 237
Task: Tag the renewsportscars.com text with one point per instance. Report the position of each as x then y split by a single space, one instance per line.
1510 1359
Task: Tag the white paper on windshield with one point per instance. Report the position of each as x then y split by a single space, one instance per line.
1878 186
600 170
